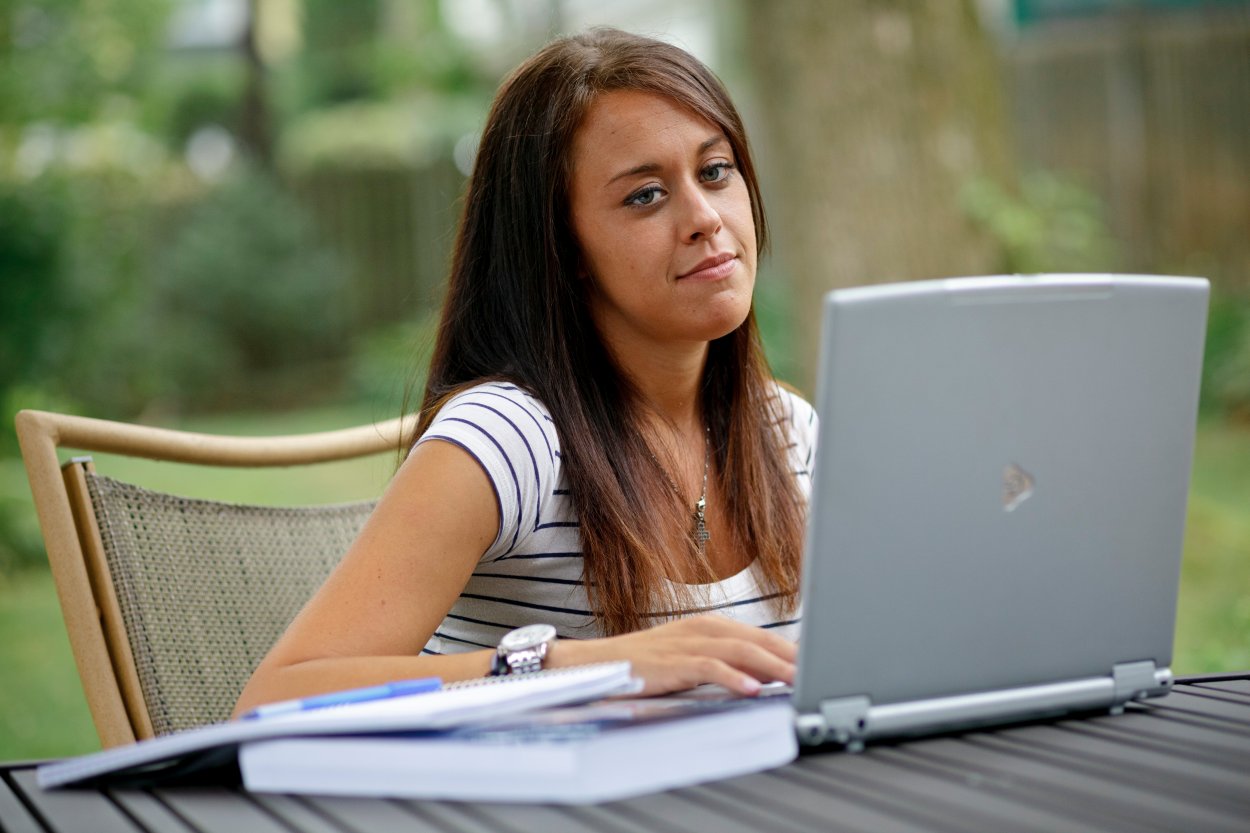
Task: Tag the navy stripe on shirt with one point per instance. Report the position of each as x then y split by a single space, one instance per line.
550 451
450 638
538 505
516 482
531 605
572 581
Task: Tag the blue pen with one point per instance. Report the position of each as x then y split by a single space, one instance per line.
386 691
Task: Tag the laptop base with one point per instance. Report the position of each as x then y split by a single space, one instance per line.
850 721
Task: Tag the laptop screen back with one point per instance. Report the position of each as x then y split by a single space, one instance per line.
1000 483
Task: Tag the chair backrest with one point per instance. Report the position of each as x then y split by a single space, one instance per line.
170 602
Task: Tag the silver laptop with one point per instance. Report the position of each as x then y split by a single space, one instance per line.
999 500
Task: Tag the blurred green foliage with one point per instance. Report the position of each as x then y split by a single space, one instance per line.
375 51
105 267
1226 371
68 60
1048 224
389 363
190 93
1053 224
137 285
244 289
31 261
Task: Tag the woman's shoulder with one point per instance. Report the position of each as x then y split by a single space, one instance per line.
502 410
496 393
794 412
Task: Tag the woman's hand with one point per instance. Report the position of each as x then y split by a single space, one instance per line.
688 652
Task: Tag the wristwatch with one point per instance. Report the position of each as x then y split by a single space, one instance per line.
523 650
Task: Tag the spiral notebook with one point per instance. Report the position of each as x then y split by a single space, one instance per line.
209 753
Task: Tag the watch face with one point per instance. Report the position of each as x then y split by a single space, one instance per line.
527 637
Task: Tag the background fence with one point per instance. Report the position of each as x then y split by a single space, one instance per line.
1149 111
396 229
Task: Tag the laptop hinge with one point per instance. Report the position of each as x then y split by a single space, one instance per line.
841 720
1136 681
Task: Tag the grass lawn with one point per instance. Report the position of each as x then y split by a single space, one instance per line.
43 712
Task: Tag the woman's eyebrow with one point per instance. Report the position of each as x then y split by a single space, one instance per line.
712 142
648 168
652 167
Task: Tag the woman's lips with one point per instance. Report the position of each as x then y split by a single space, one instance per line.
713 269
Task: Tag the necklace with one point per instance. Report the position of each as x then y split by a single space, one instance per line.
700 534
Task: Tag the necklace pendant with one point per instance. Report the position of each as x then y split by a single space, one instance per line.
701 535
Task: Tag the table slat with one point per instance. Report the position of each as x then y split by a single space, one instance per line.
1182 779
1139 804
451 815
72 809
955 797
372 815
219 810
153 815
14 817
544 817
676 811
296 813
609 820
780 800
891 791
1239 687
1164 734
1224 710
970 789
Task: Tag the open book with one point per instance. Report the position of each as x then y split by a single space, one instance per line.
603 751
209 752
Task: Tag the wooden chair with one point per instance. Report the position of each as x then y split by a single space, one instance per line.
171 602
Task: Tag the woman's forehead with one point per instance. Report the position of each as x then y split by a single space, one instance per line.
626 128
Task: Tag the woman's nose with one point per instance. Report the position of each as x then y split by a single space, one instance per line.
702 219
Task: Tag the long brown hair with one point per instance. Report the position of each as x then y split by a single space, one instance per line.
515 309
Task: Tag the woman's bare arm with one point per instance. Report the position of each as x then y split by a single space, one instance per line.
368 623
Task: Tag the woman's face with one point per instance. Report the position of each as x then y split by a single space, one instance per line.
663 218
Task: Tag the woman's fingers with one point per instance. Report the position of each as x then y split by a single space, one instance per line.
664 675
709 649
719 626
689 652
760 663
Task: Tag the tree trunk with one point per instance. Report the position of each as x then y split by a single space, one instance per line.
874 114
255 129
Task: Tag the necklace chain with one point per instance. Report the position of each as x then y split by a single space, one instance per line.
700 532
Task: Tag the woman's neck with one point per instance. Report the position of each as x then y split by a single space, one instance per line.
669 382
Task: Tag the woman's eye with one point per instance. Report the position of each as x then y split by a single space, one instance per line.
716 172
646 196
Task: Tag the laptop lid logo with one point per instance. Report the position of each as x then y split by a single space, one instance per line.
1017 487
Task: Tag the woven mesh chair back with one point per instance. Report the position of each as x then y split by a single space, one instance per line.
206 588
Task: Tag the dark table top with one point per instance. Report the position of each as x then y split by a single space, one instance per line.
1181 762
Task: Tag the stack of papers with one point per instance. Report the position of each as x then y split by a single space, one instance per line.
191 755
599 752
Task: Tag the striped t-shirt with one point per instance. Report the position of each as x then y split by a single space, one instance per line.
533 570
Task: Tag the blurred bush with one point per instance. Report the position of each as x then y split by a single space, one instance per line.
244 290
32 266
121 296
1226 367
389 362
1050 224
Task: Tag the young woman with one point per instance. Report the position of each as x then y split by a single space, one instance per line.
602 453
